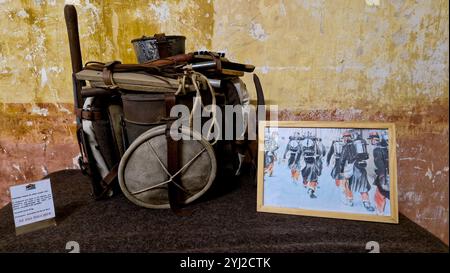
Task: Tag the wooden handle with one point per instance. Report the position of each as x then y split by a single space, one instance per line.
70 15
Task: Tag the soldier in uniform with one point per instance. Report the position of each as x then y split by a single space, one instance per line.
381 162
270 148
336 151
293 150
322 151
311 155
353 168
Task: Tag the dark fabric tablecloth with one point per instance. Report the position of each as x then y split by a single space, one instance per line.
226 222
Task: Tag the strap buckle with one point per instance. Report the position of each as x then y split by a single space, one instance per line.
107 75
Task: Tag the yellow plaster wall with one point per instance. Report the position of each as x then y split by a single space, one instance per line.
34 54
319 60
313 54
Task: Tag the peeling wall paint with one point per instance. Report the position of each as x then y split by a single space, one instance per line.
32 137
395 53
257 32
318 60
34 58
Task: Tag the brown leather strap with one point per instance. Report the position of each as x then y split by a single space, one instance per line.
218 62
108 180
176 198
172 155
107 74
261 102
88 114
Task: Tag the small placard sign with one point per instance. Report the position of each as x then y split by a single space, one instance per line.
32 206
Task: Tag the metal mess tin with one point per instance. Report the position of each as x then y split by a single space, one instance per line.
158 46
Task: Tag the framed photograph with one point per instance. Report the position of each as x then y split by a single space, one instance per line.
341 170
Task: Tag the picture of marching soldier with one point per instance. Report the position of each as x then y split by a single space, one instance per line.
309 149
333 169
380 144
270 151
293 152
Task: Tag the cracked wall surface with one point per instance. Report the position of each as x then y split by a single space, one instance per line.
318 60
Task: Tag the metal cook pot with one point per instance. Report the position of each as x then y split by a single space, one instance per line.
158 46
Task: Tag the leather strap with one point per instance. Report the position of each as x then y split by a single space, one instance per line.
260 102
218 62
88 115
175 194
107 181
259 92
107 74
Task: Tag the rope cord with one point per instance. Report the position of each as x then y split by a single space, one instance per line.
196 77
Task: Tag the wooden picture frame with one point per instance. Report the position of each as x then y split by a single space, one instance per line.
286 186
